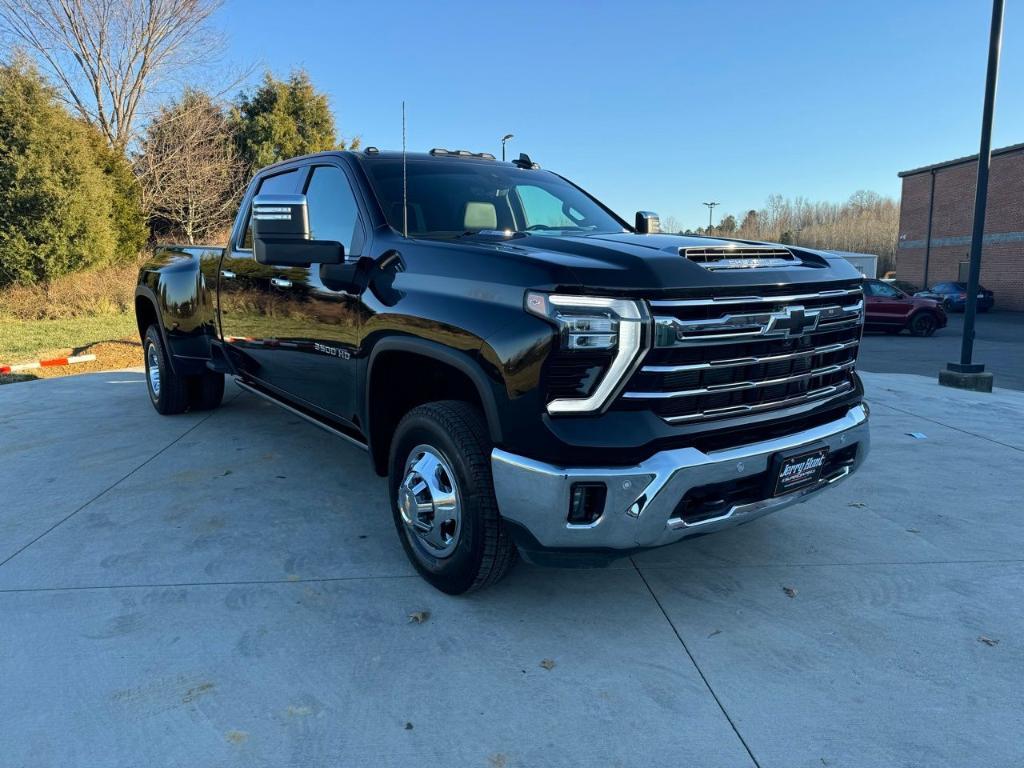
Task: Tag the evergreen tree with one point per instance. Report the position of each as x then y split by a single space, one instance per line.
126 212
282 119
57 208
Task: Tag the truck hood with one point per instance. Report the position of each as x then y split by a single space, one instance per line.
652 264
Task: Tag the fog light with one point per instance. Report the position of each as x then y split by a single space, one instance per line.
586 502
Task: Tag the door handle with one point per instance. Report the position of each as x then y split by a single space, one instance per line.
280 282
227 274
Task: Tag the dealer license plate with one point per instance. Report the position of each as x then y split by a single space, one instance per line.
800 471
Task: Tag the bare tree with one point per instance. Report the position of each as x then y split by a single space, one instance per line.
190 175
671 225
866 223
105 55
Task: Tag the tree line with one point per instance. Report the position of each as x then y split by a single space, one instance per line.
106 141
866 223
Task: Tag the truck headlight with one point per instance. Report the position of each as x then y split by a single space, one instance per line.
615 327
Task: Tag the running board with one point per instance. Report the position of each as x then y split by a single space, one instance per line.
301 414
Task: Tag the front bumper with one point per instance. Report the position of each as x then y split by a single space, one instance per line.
641 504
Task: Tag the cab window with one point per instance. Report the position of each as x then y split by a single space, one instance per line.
333 212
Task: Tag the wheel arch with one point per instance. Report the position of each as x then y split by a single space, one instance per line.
147 313
443 373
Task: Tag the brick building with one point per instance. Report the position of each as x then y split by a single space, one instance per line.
944 195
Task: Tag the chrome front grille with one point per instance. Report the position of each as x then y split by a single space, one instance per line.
720 357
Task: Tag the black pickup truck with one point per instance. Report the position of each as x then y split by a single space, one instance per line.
533 374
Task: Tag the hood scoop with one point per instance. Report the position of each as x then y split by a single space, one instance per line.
740 257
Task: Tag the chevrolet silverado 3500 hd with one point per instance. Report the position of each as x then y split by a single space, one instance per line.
532 374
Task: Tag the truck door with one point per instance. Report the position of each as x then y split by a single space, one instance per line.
248 298
318 337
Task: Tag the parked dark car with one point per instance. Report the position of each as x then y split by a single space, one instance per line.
953 296
891 310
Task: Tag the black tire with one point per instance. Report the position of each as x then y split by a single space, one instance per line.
167 391
205 391
983 310
923 324
482 551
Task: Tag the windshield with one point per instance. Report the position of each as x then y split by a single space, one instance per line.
453 198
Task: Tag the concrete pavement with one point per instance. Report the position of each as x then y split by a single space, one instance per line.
228 589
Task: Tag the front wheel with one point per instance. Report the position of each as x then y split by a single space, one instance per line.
923 324
442 498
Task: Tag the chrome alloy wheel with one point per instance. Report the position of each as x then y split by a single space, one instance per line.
153 369
429 501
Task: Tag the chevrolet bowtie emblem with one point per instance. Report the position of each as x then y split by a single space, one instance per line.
791 321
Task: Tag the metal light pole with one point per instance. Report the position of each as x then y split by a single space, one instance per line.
711 208
966 373
505 138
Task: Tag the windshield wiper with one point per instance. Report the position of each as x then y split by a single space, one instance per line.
541 229
504 234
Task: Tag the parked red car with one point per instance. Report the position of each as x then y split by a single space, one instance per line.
891 310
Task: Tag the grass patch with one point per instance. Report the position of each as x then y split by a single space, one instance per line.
91 312
27 340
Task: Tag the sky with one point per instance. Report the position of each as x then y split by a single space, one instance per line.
661 105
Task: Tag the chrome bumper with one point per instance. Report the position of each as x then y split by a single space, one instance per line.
641 500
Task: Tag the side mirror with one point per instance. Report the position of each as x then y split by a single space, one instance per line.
647 223
281 236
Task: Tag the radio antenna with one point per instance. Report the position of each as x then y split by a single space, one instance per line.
405 182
